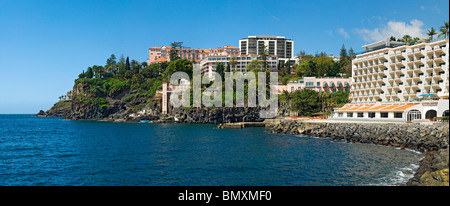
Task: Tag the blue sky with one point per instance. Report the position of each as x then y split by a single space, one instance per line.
45 44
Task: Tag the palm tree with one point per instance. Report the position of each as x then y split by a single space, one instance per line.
416 40
287 99
331 104
444 30
233 62
431 33
407 39
322 96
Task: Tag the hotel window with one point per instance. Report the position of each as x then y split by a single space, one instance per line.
349 114
398 115
360 114
318 84
384 114
292 89
340 114
371 114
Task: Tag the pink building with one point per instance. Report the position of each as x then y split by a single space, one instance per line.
224 51
157 54
327 84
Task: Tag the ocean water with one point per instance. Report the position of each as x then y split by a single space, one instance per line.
53 151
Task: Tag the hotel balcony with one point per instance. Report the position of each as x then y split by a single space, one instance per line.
439 59
443 94
437 49
416 51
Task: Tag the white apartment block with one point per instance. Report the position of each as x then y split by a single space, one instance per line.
399 82
276 45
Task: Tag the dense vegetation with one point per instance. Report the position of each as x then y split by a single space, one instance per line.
306 102
318 65
138 79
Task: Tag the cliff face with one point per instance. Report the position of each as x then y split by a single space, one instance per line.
91 103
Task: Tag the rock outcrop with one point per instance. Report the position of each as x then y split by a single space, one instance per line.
216 115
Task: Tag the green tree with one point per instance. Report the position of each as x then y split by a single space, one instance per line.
334 70
444 30
416 40
340 97
263 54
183 65
305 102
431 33
343 52
346 65
323 96
254 65
173 55
82 75
287 66
220 69
111 61
351 53
407 39
127 64
233 63
89 73
306 68
98 71
135 66
323 65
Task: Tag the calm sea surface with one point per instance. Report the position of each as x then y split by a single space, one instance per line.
52 151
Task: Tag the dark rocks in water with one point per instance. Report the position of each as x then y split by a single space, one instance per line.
213 115
41 114
433 170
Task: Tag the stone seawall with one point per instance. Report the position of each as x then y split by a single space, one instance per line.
431 139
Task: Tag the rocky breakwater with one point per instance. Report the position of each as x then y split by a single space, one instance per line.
430 139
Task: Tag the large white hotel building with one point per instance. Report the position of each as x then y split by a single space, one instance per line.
397 82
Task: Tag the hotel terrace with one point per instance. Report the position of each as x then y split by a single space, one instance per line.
397 82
